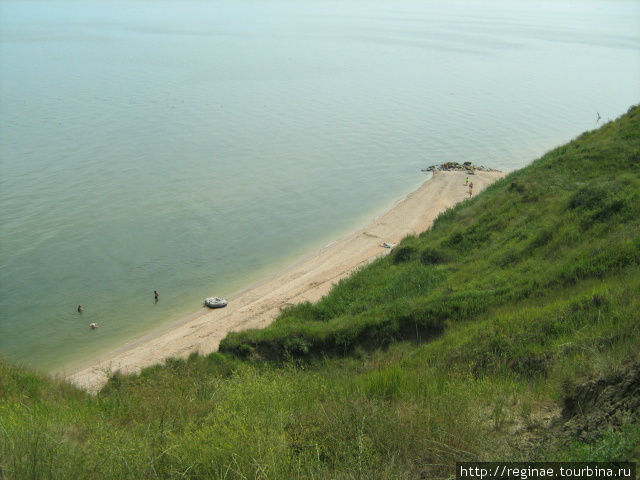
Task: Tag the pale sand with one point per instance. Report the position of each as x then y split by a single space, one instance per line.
309 280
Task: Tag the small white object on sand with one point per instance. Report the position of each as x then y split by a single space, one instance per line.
215 302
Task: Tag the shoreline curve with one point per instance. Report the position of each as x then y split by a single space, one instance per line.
309 279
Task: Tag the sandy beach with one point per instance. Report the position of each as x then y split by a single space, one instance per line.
309 280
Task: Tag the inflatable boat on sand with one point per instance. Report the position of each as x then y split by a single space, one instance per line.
215 302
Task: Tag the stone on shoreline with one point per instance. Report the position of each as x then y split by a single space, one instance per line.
468 167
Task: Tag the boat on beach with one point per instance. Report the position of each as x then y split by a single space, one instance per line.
215 302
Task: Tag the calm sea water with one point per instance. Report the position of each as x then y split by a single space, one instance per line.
194 147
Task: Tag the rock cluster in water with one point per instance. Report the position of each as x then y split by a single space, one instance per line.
464 167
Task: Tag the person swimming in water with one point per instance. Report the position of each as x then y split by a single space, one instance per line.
93 326
80 308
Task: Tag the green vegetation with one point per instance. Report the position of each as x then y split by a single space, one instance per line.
464 344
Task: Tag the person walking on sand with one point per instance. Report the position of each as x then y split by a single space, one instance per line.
470 192
467 181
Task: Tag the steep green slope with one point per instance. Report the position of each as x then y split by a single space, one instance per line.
470 341
570 217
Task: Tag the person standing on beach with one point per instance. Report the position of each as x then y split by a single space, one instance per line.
467 181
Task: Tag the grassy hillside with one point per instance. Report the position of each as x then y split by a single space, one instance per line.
479 339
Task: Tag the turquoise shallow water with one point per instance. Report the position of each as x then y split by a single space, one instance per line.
195 147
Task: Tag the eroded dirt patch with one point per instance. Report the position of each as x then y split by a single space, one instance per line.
602 404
